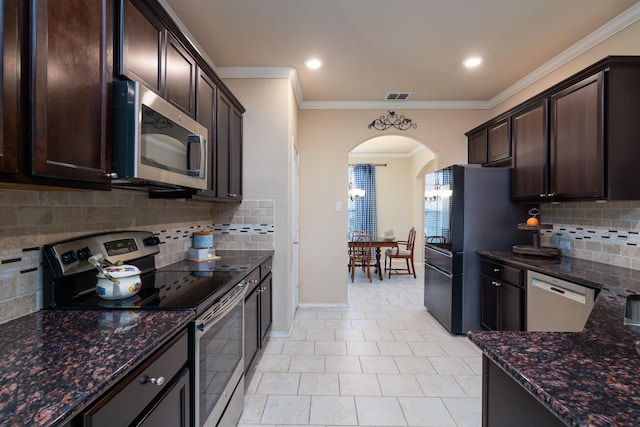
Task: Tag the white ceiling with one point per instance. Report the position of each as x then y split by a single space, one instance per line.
372 47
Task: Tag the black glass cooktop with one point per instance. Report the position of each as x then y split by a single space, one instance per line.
166 290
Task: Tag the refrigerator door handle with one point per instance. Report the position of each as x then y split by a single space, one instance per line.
439 270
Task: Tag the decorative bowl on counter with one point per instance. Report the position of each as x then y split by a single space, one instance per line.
123 282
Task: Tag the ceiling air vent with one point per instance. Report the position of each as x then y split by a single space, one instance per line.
397 96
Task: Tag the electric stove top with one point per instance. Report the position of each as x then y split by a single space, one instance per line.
69 280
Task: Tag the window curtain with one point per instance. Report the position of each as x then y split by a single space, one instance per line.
366 215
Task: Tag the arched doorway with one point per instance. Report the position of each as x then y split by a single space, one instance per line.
401 163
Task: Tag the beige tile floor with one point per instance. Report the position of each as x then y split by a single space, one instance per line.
383 361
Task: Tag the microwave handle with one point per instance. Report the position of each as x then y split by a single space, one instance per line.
197 140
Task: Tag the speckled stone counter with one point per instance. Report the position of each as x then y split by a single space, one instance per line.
589 378
54 363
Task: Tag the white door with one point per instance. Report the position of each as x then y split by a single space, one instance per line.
295 225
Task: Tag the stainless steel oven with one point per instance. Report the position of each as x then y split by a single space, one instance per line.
214 291
219 363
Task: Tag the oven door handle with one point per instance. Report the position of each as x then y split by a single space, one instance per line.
220 309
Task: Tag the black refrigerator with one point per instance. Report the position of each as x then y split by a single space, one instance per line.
467 208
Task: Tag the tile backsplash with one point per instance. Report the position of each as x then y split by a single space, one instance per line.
607 232
30 219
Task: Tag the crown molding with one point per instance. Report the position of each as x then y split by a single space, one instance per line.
385 105
606 31
289 73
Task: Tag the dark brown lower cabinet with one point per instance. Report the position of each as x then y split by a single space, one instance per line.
502 297
257 313
172 408
502 305
506 403
155 394
251 325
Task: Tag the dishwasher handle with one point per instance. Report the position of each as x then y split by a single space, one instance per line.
439 270
559 290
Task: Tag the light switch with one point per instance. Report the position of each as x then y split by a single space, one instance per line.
338 206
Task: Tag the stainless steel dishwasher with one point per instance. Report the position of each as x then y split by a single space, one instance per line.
556 305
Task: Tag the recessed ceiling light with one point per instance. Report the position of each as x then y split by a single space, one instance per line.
313 63
472 62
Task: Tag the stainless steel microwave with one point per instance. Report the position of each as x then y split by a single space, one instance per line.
154 142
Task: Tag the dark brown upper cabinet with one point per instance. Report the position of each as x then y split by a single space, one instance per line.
578 139
180 77
499 141
10 64
490 144
228 154
141 39
477 143
530 152
71 73
150 54
576 156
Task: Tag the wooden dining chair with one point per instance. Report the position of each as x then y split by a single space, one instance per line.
360 254
404 251
352 233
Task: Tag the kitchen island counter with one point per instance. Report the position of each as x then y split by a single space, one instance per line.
583 378
55 363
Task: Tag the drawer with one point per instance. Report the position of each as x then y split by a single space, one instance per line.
265 268
252 280
124 402
502 272
444 261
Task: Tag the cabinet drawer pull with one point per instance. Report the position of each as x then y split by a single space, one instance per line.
496 284
111 175
543 195
150 380
497 270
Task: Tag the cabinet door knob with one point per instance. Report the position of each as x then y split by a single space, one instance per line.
150 380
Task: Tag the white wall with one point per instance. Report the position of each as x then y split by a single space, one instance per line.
326 137
270 123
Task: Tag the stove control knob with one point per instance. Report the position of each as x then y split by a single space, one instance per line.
84 253
69 257
151 241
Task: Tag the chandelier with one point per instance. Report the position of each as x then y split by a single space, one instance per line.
392 120
438 193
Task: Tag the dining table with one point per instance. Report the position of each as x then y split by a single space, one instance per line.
378 243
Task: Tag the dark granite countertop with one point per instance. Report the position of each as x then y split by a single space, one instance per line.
54 363
587 378
230 260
